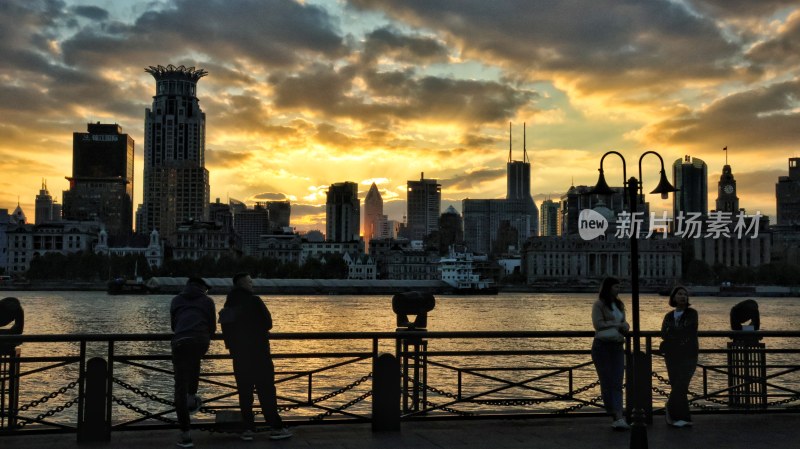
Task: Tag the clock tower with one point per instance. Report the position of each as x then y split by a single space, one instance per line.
727 201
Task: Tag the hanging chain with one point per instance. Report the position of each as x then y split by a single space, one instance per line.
46 398
47 414
142 393
355 401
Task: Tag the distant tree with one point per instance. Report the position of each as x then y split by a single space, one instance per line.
312 269
334 268
779 274
48 266
698 272
289 270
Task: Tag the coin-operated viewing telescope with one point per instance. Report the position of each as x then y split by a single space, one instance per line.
413 303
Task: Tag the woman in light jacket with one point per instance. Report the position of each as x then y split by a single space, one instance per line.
680 348
608 355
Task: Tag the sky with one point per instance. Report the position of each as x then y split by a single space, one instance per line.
304 94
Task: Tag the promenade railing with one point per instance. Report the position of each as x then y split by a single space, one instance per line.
96 384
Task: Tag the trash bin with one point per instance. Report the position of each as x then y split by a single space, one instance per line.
747 359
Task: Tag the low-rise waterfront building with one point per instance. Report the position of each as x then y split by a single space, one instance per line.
153 252
286 247
26 242
360 266
571 259
409 264
316 250
197 239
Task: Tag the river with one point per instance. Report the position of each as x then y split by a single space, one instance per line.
98 313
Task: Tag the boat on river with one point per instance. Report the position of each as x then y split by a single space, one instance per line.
121 286
458 271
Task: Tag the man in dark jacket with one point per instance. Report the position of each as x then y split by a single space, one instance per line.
245 322
192 315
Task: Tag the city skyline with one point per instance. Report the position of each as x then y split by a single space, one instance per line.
379 92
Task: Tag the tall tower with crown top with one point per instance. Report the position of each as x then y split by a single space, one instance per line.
176 183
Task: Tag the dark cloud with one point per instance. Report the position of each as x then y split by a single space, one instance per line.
759 119
742 8
398 95
268 196
781 51
390 42
478 140
327 135
238 112
365 141
226 159
471 180
91 12
603 44
274 33
26 27
318 88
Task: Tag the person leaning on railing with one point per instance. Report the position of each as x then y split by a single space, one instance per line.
680 348
246 322
608 319
11 311
193 321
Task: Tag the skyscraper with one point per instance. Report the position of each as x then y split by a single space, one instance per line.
176 184
423 202
101 186
787 195
550 218
690 177
280 213
44 205
451 230
483 218
343 213
373 214
250 225
518 179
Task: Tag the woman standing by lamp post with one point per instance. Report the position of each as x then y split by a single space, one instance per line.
608 355
680 348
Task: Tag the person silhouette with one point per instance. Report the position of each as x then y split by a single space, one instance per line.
608 319
680 348
246 322
192 318
11 312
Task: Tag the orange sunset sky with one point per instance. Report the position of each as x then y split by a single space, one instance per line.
302 94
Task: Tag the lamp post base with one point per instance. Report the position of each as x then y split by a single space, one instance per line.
638 430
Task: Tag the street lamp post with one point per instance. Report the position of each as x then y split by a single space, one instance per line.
633 188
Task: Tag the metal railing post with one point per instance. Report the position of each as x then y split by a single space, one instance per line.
95 420
385 393
9 389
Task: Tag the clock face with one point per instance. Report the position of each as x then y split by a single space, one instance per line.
728 189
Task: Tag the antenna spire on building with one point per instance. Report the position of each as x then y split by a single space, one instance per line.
509 141
524 144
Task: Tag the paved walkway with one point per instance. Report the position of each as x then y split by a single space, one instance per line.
772 431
